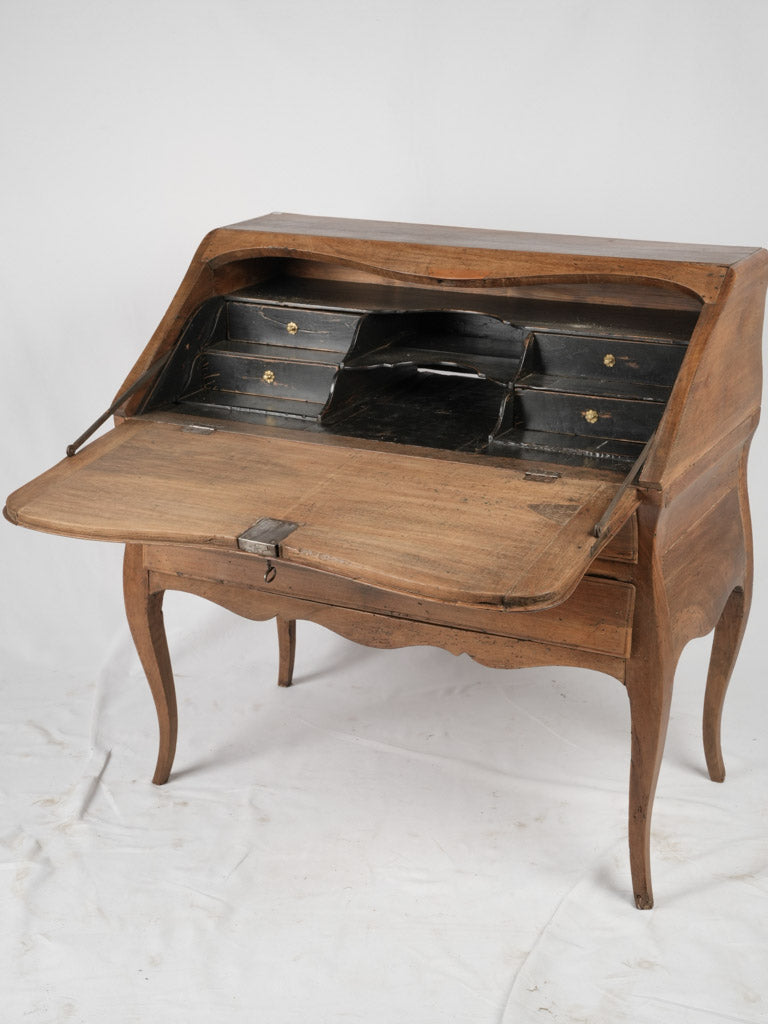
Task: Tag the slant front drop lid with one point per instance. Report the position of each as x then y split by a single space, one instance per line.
528 448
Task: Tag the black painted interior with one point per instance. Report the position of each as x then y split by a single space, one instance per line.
517 377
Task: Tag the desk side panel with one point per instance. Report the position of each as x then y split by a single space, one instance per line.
718 390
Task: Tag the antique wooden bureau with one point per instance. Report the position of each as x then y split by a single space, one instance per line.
528 448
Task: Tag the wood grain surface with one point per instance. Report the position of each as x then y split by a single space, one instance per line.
454 531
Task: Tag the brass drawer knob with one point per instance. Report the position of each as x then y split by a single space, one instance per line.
609 360
268 377
291 327
590 415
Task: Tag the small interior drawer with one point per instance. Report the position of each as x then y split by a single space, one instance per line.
606 359
274 379
291 326
586 415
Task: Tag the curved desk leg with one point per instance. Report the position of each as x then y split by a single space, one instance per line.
145 618
650 691
729 632
649 676
286 639
725 647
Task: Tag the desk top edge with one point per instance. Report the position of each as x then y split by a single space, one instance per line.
489 239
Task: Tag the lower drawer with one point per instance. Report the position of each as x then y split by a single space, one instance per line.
597 617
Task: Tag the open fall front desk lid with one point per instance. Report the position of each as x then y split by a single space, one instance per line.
470 532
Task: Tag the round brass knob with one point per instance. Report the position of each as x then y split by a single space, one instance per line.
268 377
590 415
292 328
609 360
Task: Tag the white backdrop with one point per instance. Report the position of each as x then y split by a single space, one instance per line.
408 836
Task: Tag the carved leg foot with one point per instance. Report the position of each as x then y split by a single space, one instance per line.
725 647
286 638
145 618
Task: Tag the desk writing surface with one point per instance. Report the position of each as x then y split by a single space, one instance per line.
468 531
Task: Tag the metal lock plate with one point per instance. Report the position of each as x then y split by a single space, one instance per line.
264 537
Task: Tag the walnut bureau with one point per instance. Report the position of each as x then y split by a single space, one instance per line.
529 448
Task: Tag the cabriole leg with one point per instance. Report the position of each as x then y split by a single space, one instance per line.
725 648
649 686
649 676
145 618
286 639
